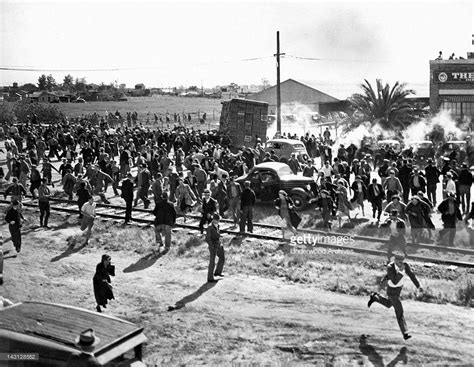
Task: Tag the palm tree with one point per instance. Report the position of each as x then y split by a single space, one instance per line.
387 106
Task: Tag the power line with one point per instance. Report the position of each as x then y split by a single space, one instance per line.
20 68
341 60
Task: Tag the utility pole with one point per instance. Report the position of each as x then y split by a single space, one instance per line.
278 84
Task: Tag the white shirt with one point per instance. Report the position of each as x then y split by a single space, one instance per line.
393 228
451 186
327 171
400 283
89 209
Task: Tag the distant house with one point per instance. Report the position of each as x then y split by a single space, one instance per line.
14 97
43 97
140 86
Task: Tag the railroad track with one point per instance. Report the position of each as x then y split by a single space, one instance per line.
262 231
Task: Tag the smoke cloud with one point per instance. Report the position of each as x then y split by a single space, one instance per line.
442 122
296 119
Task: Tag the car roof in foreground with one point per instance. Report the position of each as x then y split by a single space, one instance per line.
272 165
62 324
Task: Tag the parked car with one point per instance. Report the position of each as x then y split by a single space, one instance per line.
79 100
422 150
285 147
266 179
454 149
50 331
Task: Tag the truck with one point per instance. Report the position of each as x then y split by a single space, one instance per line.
48 333
244 121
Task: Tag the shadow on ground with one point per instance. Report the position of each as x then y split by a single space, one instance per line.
145 262
192 297
376 359
71 249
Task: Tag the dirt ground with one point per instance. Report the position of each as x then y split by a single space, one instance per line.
242 319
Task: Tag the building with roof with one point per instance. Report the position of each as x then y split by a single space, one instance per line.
452 86
296 93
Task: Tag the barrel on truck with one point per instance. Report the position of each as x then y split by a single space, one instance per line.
243 121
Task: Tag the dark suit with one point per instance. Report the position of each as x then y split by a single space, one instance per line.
207 209
213 239
449 219
376 200
127 195
394 288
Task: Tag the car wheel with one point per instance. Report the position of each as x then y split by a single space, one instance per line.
299 201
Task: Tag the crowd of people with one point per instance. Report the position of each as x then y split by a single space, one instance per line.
185 168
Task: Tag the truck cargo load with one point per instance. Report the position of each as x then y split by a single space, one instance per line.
244 121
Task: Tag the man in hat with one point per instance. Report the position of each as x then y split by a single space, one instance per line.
417 182
16 189
450 185
417 212
465 183
234 192
35 179
247 203
208 208
375 196
201 178
165 219
432 174
43 201
383 170
127 195
397 269
88 212
397 233
14 219
143 184
450 213
87 341
404 176
25 167
393 185
213 239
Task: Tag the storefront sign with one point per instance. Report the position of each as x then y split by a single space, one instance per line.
453 76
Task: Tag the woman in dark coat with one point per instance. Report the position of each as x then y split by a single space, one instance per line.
102 288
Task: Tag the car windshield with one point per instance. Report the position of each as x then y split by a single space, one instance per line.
284 170
298 146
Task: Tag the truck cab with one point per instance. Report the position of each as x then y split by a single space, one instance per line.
49 331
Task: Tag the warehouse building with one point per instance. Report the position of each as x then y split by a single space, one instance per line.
452 86
296 93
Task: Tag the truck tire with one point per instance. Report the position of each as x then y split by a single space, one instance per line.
300 201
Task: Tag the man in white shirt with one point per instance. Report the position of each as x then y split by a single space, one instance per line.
88 211
327 170
450 185
397 271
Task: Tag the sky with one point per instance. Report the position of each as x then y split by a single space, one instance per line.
332 46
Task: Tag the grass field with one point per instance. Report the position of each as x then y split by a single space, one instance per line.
154 104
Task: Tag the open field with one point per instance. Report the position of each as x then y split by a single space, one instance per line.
272 307
142 105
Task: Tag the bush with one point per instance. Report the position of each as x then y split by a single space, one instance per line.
466 293
7 114
45 113
191 242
